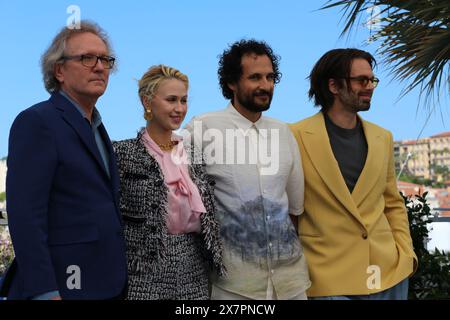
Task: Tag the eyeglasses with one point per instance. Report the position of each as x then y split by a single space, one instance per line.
90 60
364 81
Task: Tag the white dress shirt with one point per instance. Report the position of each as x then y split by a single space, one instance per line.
259 182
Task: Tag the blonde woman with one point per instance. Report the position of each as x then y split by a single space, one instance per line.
167 205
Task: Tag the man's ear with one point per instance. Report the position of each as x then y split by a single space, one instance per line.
232 86
333 86
58 72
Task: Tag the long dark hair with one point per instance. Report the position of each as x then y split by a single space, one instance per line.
335 64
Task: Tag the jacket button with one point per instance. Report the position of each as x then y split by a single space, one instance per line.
154 206
212 183
152 229
364 236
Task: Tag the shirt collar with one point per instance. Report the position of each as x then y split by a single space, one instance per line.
242 122
96 118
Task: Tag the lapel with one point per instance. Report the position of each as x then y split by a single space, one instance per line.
374 162
317 146
71 115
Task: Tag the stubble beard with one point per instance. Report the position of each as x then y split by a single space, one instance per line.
353 102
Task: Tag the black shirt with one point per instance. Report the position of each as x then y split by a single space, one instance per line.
350 150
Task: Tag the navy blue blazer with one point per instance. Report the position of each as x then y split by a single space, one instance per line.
62 206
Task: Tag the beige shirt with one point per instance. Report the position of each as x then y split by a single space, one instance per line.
259 182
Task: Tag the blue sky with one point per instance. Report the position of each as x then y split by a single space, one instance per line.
190 35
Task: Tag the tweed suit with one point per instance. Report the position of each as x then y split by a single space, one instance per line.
161 265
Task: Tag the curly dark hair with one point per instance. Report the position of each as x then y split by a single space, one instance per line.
230 68
335 64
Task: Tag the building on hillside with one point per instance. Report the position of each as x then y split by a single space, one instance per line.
427 158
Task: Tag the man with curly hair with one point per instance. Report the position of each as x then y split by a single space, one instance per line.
259 180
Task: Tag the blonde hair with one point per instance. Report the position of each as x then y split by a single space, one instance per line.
55 51
152 79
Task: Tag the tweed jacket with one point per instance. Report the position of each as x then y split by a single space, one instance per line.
143 205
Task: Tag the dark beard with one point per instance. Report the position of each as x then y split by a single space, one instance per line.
362 107
352 102
250 105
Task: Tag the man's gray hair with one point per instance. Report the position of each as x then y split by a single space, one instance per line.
56 51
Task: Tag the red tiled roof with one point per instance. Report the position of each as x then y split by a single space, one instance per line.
409 142
441 135
409 189
407 184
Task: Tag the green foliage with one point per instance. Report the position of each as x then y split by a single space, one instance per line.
2 196
432 281
432 278
406 177
443 171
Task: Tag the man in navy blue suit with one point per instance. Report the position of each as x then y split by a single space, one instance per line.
62 183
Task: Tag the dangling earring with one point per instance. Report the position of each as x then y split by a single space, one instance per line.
148 114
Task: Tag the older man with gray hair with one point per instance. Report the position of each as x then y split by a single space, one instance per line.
62 182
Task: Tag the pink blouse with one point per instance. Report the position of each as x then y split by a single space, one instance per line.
185 204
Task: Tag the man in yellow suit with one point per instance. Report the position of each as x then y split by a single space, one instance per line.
355 229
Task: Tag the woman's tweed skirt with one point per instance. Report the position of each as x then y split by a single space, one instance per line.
183 275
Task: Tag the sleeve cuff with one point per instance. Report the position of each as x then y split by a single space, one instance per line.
296 212
47 296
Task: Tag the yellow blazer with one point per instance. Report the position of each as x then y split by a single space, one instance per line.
355 243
